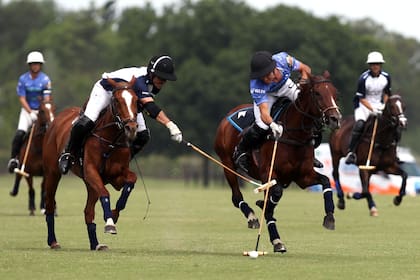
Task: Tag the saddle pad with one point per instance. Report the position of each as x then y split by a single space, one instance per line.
242 118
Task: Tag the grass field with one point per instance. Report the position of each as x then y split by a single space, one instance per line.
196 233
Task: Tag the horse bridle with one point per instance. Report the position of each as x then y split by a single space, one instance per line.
118 120
312 92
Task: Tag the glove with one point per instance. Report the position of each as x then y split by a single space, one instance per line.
277 130
176 134
33 115
377 112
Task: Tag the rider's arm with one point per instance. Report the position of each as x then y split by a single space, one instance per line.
265 113
304 70
24 104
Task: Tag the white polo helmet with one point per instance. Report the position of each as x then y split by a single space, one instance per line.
35 57
375 57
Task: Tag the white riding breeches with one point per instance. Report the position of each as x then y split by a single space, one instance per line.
289 89
25 120
99 99
362 112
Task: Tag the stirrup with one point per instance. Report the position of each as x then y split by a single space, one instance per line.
318 164
13 163
65 162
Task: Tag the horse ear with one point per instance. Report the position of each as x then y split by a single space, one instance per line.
133 81
326 74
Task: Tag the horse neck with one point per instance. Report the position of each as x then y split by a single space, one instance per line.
107 126
304 109
385 134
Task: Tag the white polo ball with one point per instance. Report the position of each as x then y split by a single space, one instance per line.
253 254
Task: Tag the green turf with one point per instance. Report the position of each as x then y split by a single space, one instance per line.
196 233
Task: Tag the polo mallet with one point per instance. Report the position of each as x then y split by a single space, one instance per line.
145 189
262 186
21 171
257 253
372 142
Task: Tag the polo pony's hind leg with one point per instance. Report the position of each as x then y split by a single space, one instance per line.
122 201
329 221
31 196
51 183
364 178
274 195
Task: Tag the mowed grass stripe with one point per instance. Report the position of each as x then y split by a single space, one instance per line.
193 232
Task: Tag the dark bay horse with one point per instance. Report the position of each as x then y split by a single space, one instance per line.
384 153
315 105
106 157
33 164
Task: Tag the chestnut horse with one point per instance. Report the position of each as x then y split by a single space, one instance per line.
315 106
384 153
33 164
106 157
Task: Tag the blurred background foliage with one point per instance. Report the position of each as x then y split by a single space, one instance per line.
211 42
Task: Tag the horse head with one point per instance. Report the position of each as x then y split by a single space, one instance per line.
46 113
394 111
124 106
323 99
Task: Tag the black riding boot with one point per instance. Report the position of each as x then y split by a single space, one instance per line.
252 139
16 146
355 138
80 129
139 142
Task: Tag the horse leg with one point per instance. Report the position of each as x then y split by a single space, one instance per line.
365 178
274 195
16 185
239 202
51 183
329 221
42 201
31 193
122 201
89 211
398 199
341 204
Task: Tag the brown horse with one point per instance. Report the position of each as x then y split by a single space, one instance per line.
315 105
105 160
33 164
384 153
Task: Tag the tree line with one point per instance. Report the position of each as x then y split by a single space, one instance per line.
211 42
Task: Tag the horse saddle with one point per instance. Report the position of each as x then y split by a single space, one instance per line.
244 117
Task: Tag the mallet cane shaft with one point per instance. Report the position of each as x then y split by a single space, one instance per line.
266 193
372 142
21 171
260 186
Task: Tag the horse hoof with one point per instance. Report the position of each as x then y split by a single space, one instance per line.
55 246
253 224
112 229
397 200
341 204
349 195
12 193
278 246
32 213
101 247
42 211
374 212
329 222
